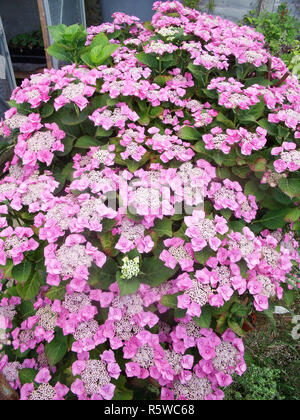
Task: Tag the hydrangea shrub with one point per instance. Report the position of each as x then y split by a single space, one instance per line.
149 207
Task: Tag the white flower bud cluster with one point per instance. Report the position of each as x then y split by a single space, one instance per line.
4 337
130 268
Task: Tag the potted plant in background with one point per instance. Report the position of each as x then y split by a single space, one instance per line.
141 8
28 48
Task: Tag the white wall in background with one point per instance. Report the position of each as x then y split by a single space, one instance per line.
231 9
236 9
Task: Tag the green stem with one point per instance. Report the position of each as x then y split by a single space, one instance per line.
207 77
160 65
77 111
17 218
246 72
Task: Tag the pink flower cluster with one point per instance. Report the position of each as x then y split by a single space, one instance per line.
29 189
229 195
40 145
203 231
42 390
220 359
125 327
289 157
15 121
15 242
290 117
7 314
95 376
132 235
176 252
248 142
107 119
72 261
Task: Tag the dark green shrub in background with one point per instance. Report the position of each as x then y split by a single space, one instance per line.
281 32
258 384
